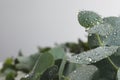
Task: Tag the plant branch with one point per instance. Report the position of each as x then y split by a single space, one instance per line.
113 63
101 44
99 40
62 66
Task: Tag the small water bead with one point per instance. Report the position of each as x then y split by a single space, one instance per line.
114 33
75 71
86 19
90 35
98 22
26 76
89 59
79 58
106 36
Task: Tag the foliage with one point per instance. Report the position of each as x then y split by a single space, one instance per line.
98 59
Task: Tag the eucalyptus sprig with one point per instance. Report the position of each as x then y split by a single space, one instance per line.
97 59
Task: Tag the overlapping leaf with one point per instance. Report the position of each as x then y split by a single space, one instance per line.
101 29
113 37
45 61
26 63
84 73
58 52
94 55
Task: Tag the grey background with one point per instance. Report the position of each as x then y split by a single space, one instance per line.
26 24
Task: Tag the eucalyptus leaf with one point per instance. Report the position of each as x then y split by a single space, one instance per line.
26 63
106 69
116 60
45 61
50 73
70 67
89 18
87 72
112 20
58 52
114 37
102 79
94 55
101 29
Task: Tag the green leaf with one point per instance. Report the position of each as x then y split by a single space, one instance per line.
112 20
10 76
102 79
93 41
70 67
26 63
89 18
94 55
88 72
9 63
114 37
50 73
116 60
57 52
101 29
45 61
118 74
106 70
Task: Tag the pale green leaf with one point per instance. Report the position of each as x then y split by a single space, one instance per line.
94 55
88 72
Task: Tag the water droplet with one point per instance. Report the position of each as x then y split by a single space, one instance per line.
114 33
29 76
89 34
98 22
106 36
26 76
75 71
89 59
86 19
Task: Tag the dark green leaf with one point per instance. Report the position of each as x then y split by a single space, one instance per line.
116 60
106 70
50 73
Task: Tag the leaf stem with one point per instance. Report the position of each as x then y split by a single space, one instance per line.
99 40
113 64
62 66
101 44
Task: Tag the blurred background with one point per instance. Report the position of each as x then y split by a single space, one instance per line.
26 24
